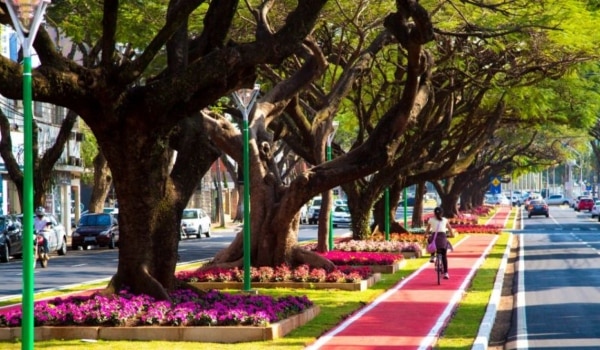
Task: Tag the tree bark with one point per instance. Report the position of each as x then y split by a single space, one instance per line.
102 183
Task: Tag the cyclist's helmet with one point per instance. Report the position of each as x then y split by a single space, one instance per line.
40 211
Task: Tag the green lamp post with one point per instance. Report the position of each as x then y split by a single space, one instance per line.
387 213
245 99
330 137
405 200
27 16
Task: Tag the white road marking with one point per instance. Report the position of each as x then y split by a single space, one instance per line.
522 341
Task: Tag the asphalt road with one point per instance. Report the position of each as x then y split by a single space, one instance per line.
558 283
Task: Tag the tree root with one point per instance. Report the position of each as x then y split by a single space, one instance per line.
222 264
141 282
302 256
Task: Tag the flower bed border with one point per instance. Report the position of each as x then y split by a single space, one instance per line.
388 268
350 286
411 255
218 334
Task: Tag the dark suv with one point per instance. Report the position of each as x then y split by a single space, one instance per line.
99 229
585 204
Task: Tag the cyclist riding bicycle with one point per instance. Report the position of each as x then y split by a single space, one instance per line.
441 225
41 225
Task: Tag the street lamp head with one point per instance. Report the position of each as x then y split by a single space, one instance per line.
245 97
26 12
335 125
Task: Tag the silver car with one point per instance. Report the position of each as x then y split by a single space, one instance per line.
557 199
195 222
340 216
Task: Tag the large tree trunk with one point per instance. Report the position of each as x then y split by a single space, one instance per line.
417 217
148 232
274 221
102 183
152 195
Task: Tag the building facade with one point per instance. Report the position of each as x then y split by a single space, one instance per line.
62 198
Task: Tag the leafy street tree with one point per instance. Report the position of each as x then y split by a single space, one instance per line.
304 127
487 77
148 80
140 111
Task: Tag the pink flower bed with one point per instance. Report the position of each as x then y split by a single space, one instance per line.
394 245
361 258
186 308
283 273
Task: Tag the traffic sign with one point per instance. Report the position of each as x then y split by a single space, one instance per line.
495 185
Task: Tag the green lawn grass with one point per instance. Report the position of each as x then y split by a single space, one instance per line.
335 307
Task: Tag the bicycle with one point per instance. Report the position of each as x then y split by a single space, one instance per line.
439 267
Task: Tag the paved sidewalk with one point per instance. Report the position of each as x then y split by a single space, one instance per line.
413 313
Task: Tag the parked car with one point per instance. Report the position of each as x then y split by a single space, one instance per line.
108 210
304 214
516 201
575 202
57 240
340 216
596 209
314 210
584 203
501 199
410 201
538 207
96 229
11 236
195 222
557 199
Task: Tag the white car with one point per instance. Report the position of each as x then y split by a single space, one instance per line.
557 199
501 199
596 209
340 216
195 222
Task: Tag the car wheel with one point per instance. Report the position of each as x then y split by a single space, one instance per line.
63 248
547 215
529 216
199 235
111 243
4 253
207 233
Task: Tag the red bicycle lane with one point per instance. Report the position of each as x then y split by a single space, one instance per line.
413 313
